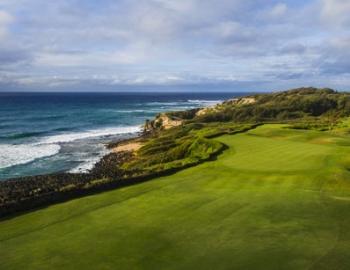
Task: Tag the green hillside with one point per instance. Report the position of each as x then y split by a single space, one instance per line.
277 198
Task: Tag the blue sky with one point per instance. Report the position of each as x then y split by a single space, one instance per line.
239 45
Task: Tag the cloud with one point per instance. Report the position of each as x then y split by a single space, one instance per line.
5 20
335 12
278 10
13 56
99 59
293 48
335 58
165 42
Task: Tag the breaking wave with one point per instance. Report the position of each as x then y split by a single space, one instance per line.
11 155
17 154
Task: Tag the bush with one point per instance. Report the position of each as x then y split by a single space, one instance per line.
180 147
288 105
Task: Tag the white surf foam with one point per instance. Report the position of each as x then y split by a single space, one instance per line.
88 164
157 103
70 137
205 102
11 155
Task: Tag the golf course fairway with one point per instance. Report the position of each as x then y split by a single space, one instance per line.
277 198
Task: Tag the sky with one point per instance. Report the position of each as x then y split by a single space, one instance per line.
117 45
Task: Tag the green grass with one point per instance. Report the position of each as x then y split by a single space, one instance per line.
276 199
179 147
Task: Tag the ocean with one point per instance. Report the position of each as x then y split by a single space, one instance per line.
44 133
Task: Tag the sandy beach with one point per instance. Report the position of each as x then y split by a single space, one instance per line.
129 146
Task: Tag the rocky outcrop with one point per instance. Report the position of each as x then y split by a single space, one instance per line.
230 102
240 101
26 193
162 122
204 111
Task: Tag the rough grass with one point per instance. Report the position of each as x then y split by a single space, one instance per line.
276 199
180 147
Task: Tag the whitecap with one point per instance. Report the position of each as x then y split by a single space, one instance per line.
16 154
87 164
70 137
11 154
204 102
157 103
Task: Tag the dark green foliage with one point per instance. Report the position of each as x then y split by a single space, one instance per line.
189 114
282 106
180 147
157 147
310 126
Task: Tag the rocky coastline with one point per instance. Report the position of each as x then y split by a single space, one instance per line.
31 192
173 141
26 193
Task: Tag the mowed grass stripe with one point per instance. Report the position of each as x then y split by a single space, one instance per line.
218 215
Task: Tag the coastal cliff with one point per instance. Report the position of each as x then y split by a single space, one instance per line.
162 122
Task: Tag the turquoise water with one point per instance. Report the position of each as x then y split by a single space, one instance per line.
60 132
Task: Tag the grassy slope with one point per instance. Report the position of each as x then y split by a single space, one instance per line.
276 199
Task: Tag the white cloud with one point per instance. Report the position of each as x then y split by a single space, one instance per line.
335 12
279 10
182 6
228 29
5 20
86 59
168 42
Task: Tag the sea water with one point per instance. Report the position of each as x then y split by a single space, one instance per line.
44 133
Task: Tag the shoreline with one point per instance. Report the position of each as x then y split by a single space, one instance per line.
105 176
57 187
31 154
128 144
33 192
93 148
37 191
173 141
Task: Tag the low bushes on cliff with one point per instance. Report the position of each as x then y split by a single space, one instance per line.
300 104
184 153
180 147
